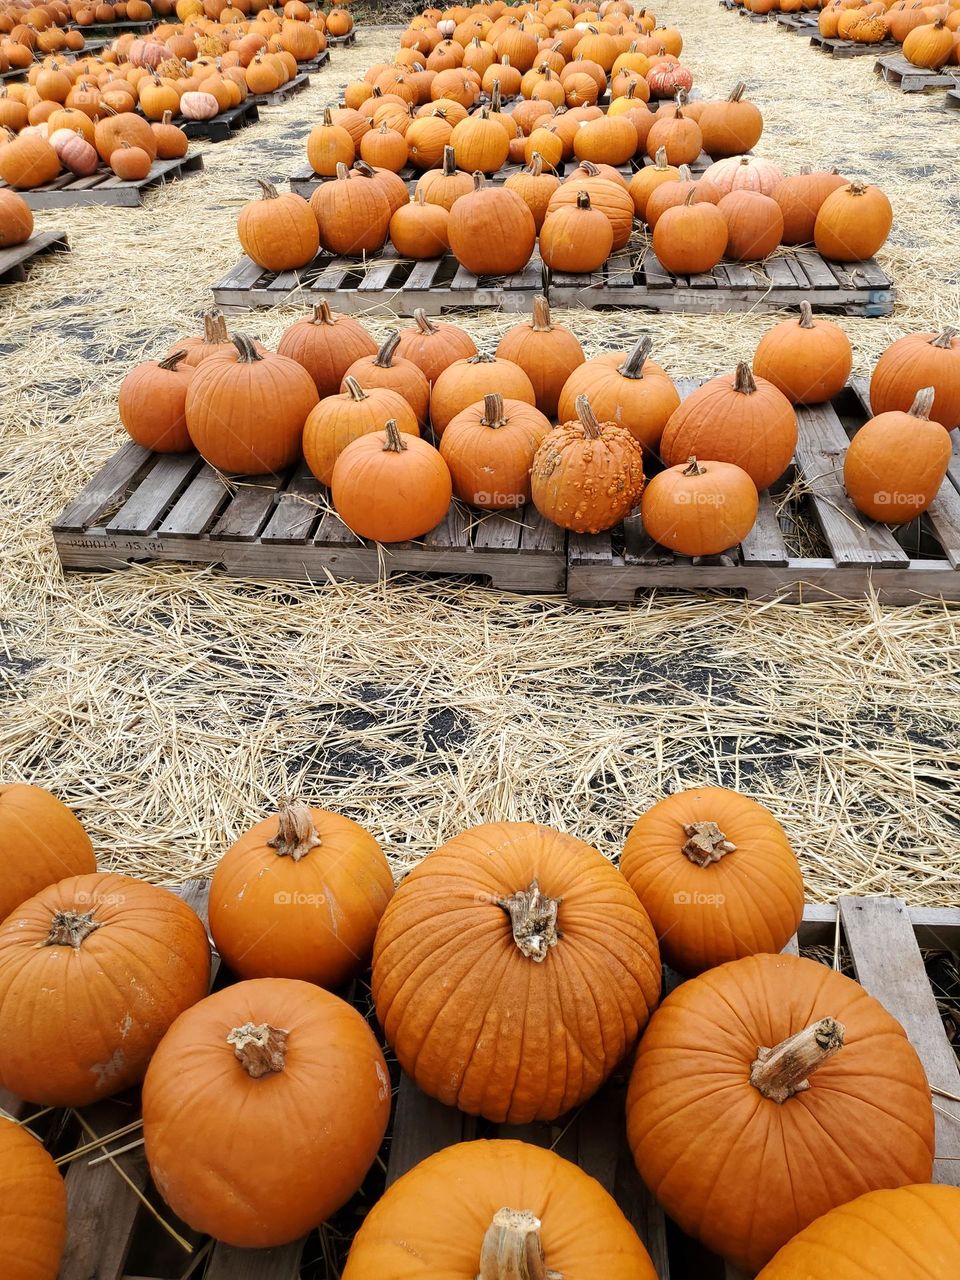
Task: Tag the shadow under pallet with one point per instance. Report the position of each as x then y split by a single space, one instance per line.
809 542
112 1235
14 261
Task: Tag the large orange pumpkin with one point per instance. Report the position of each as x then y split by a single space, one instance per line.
716 873
545 351
809 359
513 970
390 487
627 388
491 230
509 1209
911 1232
299 896
896 463
326 345
33 1207
853 223
306 1088
767 1092
916 361
41 842
699 508
93 970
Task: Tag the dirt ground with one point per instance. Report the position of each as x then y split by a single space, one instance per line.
172 707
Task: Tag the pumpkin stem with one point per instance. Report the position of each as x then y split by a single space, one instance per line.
449 162
322 314
685 174
269 191
248 352
857 188
495 97
806 316
493 410
328 116
737 92
384 357
660 159
342 170
394 440
424 323
215 328
588 419
583 200
922 404
533 917
782 1071
632 367
172 360
541 316
260 1048
536 164
354 388
590 169
296 833
743 379
706 843
166 117
806 168
482 357
945 339
693 468
478 180
69 928
512 1249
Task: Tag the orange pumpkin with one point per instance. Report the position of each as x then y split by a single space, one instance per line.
809 359
896 462
33 1207
338 420
42 842
326 345
389 487
916 361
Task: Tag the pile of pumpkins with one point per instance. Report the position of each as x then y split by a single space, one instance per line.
396 431
29 31
755 1061
929 33
78 117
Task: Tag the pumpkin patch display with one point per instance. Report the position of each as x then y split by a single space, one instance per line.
879 1233
545 932
809 359
301 1075
33 1207
504 1202
29 863
132 955
778 1072
699 508
740 419
914 362
716 874
299 895
896 462
391 487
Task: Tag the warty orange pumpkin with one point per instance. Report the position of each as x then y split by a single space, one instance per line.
717 875
916 361
33 1207
299 895
896 462
326 345
129 955
526 930
779 1073
246 416
510 1210
739 419
911 1232
391 487
42 842
306 1087
809 359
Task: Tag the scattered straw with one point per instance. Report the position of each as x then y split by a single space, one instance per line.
172 707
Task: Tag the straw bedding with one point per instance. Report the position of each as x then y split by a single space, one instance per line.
173 707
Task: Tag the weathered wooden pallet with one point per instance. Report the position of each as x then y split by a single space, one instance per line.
349 38
610 568
850 48
754 17
953 98
797 23
315 64
143 506
15 259
896 70
104 187
15 73
279 96
222 127
112 29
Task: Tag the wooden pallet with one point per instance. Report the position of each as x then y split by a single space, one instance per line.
897 71
112 29
632 278
105 188
799 24
610 568
143 506
107 1225
315 64
851 48
349 38
279 96
222 127
15 73
953 98
14 261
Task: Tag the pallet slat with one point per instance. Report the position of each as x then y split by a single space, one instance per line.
103 489
14 260
421 1126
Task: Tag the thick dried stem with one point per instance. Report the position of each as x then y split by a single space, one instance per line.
260 1049
660 159
588 419
69 928
384 357
806 316
685 173
583 199
743 379
533 917
172 360
857 188
424 323
394 440
923 403
493 415
322 314
449 167
512 1249
693 468
706 843
268 190
296 833
215 328
737 92
245 346
354 389
782 1071
945 339
541 316
479 181
328 116
343 173
495 101
482 357
632 367
536 164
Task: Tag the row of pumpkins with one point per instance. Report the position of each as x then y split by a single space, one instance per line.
356 412
513 970
929 33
